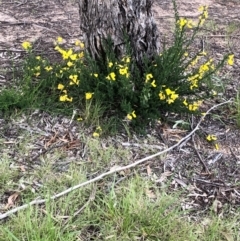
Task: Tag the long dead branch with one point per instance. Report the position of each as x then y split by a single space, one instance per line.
118 169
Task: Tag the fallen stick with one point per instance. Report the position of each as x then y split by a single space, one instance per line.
113 170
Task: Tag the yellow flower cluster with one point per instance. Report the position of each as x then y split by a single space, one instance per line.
169 95
123 68
97 132
202 70
69 54
26 45
193 106
204 15
131 115
64 97
212 138
111 76
230 59
149 78
74 79
182 22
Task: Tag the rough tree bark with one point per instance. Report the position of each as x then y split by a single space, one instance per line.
101 19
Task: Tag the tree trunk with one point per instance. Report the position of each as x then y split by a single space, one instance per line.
123 21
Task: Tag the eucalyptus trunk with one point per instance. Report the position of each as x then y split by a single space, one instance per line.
128 23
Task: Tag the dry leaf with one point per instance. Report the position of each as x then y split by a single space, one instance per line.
150 194
149 171
11 200
180 182
163 176
228 236
216 205
22 168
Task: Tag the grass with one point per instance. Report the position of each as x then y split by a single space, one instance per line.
126 206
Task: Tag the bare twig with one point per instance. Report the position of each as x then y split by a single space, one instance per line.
113 170
234 155
199 156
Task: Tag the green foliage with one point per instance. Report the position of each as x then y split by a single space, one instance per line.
176 80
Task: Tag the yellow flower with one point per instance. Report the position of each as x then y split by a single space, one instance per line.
64 98
110 64
73 57
26 45
214 93
38 57
123 71
230 59
74 79
81 55
185 102
69 63
133 114
148 77
59 39
201 8
88 95
203 53
111 76
95 134
170 101
129 116
182 22
126 59
192 107
204 10
60 87
202 20
67 54
79 43
79 118
169 92
57 48
216 146
48 68
95 75
190 24
37 74
162 96
99 129
211 138
172 96
153 84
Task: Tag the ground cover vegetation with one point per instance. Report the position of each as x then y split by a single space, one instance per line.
109 95
117 89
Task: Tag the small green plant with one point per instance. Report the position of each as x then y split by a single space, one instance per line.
116 87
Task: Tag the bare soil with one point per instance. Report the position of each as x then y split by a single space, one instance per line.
212 176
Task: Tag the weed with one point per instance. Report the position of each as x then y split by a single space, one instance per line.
116 87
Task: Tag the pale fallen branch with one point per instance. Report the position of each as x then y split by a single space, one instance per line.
113 170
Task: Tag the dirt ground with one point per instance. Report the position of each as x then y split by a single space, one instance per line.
41 21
